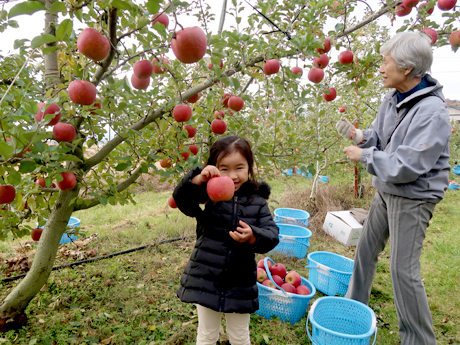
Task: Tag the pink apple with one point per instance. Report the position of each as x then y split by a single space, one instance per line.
69 181
321 61
454 39
220 188
432 33
296 70
402 10
51 109
330 95
182 113
139 84
219 114
191 131
446 5
162 19
424 5
193 149
143 69
225 99
315 75
235 103
82 92
269 283
64 132
302 290
189 45
294 278
260 264
288 287
93 44
165 163
277 279
342 109
172 202
194 98
326 46
346 57
157 68
410 3
271 66
278 269
218 126
261 275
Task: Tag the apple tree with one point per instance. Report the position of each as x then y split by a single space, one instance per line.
112 87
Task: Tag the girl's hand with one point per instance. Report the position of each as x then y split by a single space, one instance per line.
206 174
243 234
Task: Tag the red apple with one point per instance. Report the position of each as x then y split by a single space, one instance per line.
220 188
51 109
446 5
277 279
326 46
8 193
40 182
331 95
271 66
454 39
139 84
235 103
225 98
218 126
268 283
194 98
424 5
278 269
143 69
69 181
302 290
292 277
452 130
260 263
157 68
82 92
402 10
432 33
219 114
410 3
172 203
64 132
36 234
182 113
92 44
315 75
193 149
165 163
342 109
190 130
185 155
162 19
221 64
288 287
96 105
321 61
296 70
189 45
261 275
346 57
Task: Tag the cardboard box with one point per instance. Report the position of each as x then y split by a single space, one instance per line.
342 226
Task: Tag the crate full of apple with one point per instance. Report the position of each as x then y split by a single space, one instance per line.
282 294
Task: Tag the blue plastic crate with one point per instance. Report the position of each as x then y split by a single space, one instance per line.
456 170
294 240
279 303
291 216
323 179
68 237
341 321
329 272
453 186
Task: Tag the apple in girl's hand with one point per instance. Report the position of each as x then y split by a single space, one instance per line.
261 275
288 287
279 270
220 188
260 264
270 284
293 278
277 279
302 290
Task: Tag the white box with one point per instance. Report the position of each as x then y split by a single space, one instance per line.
342 226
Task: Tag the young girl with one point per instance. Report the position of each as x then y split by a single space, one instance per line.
221 274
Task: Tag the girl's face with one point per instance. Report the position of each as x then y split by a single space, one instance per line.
236 167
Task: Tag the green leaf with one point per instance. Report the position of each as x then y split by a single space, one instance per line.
236 83
27 7
153 6
103 201
13 23
65 28
121 167
143 21
69 158
42 39
58 7
122 4
26 167
19 43
39 146
5 149
13 176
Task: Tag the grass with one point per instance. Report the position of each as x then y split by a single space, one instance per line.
131 299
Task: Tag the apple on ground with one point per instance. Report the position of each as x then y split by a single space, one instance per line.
346 57
315 75
82 92
296 70
162 19
446 5
64 132
182 113
326 46
220 188
69 181
193 149
277 279
330 94
172 203
269 283
261 275
260 263
218 126
157 68
271 66
278 269
424 5
8 193
36 234
288 288
194 98
189 45
139 84
402 10
190 130
294 278
302 290
143 69
165 163
321 62
235 103
93 44
219 114
51 109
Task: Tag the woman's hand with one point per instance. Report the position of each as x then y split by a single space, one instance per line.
206 174
243 234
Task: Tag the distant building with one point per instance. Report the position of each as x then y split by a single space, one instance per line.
454 113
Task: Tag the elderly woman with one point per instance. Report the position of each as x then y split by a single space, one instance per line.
406 149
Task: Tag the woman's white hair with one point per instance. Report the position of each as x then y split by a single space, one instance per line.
410 50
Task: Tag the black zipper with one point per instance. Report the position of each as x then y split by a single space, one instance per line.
235 206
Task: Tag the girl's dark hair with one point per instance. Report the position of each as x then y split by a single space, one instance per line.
225 146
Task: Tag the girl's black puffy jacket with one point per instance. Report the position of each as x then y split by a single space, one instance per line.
222 273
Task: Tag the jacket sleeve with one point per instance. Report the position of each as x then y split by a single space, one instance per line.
188 196
423 144
266 233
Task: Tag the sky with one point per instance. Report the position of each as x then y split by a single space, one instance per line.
445 68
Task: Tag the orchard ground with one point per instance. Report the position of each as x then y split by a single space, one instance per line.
130 299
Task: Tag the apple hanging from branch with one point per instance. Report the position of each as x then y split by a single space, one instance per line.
92 44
